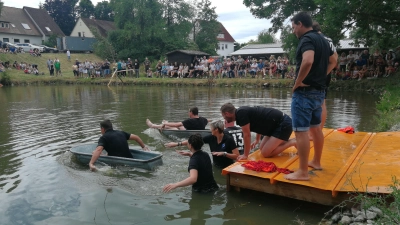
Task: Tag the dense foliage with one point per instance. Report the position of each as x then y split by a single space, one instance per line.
377 22
63 12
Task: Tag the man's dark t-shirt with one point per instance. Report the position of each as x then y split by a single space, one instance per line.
262 120
313 41
195 123
201 162
115 143
137 65
237 135
227 145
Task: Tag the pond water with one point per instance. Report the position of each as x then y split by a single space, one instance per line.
41 182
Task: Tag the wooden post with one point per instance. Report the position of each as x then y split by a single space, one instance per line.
116 73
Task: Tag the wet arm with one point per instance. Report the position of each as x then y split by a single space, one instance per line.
137 139
246 139
96 154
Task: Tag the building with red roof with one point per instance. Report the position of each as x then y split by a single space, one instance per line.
226 42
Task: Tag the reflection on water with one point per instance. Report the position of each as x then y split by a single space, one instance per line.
41 182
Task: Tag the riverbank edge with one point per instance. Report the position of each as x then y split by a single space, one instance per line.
376 85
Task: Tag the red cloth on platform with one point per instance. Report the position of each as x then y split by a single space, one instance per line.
261 166
348 129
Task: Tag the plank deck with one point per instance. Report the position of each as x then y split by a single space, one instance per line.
357 162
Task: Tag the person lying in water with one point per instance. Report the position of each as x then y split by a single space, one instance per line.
223 147
114 142
195 122
200 169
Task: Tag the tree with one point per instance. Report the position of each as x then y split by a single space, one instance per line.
371 17
206 37
86 8
141 28
289 41
103 11
63 12
264 37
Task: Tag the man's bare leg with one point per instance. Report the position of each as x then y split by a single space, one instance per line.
152 125
303 150
323 114
318 139
272 146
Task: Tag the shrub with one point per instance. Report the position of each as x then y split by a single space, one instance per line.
5 79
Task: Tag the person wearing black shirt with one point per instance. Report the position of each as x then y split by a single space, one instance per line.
274 125
236 133
223 147
136 65
114 142
324 112
200 169
314 59
195 122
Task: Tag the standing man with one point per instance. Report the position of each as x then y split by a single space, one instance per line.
114 142
137 68
314 57
69 55
275 125
49 62
146 65
57 66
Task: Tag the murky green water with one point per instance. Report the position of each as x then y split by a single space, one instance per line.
42 183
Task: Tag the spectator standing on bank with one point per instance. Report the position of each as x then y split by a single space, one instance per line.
57 66
69 55
137 67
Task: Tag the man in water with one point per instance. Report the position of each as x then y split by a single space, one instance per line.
195 122
314 58
275 125
114 142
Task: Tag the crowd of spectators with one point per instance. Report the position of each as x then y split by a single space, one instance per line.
26 67
89 69
363 65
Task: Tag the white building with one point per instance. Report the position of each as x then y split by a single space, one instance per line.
83 25
226 42
27 25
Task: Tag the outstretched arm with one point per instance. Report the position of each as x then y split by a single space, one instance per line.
246 140
95 155
139 141
186 182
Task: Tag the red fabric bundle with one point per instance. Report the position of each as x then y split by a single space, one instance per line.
261 166
348 129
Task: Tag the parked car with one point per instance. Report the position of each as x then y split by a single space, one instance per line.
27 47
49 49
8 45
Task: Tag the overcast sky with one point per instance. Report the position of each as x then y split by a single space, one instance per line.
236 18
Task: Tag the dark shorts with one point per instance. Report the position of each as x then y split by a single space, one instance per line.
284 130
306 108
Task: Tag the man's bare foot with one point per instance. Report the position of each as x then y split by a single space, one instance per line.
297 175
314 165
149 123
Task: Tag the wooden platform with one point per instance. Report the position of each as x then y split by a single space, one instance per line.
358 162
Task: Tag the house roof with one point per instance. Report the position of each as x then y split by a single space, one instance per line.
43 20
16 17
227 36
103 26
189 52
260 49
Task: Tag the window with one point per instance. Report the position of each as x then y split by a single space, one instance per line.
2 24
13 25
79 34
221 36
16 41
7 25
47 28
226 46
26 26
27 41
83 34
6 40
